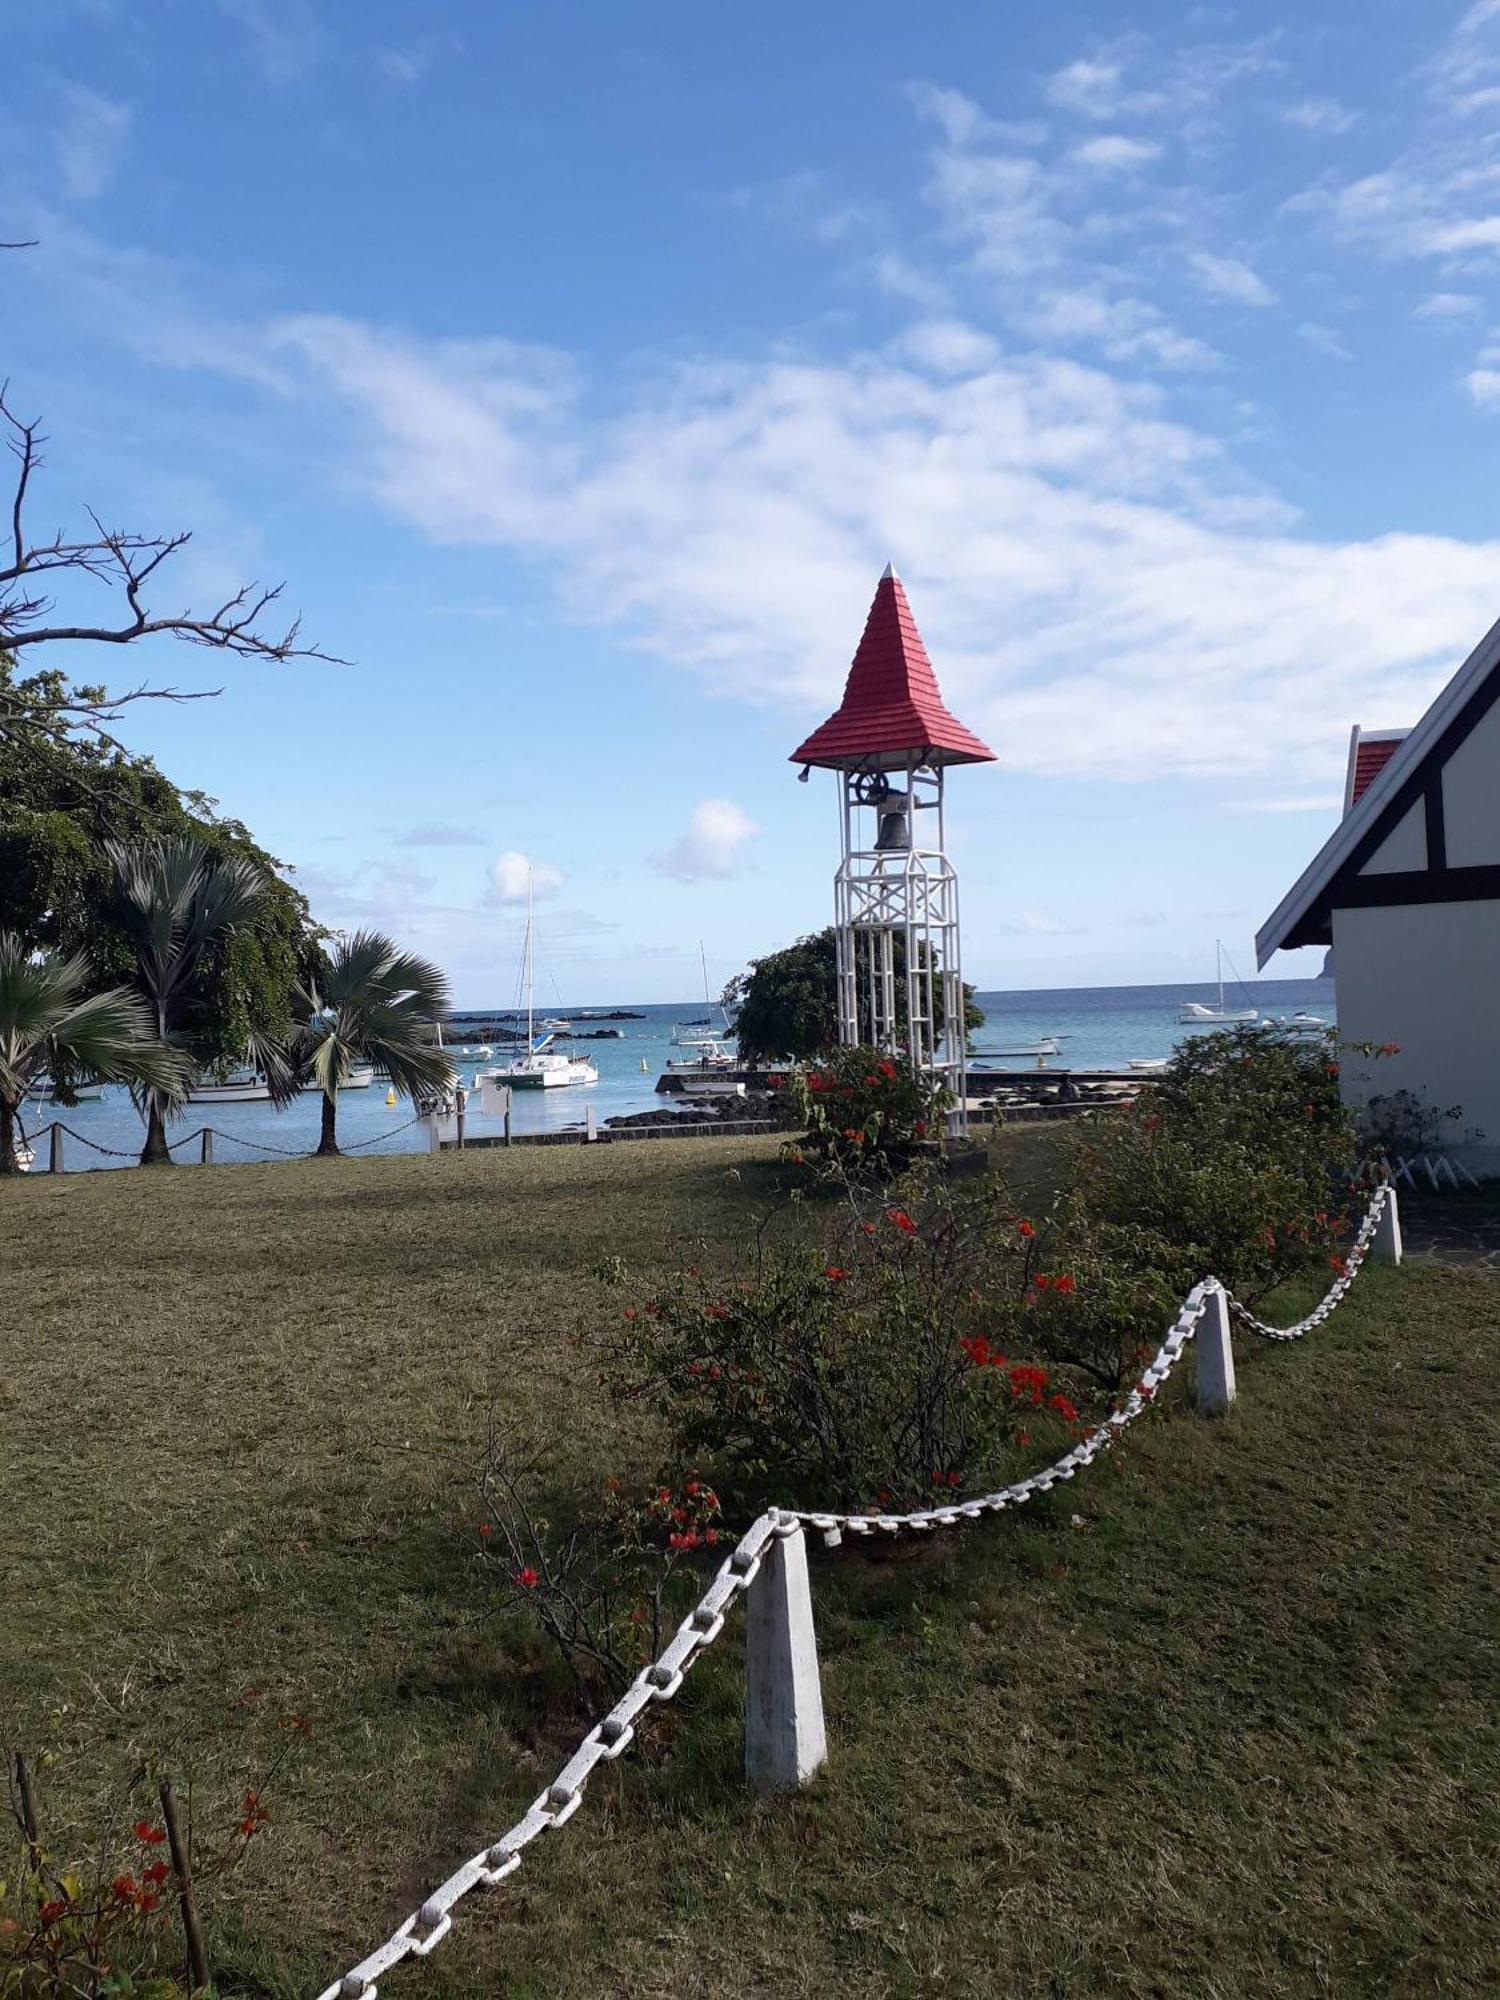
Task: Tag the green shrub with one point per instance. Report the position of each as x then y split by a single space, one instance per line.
863 1111
873 1367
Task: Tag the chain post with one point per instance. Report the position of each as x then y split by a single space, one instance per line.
206 1152
55 1154
784 1736
1385 1247
1215 1354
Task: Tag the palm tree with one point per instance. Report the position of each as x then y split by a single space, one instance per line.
179 898
376 1003
48 1027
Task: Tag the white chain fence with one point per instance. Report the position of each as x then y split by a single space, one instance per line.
426 1928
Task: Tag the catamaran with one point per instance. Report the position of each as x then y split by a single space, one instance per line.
1195 1014
541 1067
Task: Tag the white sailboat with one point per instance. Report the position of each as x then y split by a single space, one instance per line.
1195 1014
709 1054
541 1067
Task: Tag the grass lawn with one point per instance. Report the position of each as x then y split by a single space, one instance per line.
1220 1718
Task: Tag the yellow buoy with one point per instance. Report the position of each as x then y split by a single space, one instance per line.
390 1100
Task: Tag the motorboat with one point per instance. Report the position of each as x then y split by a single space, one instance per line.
1193 1014
240 1086
1149 1065
540 1067
42 1090
709 1055
360 1077
1049 1045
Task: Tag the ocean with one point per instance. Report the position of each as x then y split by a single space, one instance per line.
1099 1027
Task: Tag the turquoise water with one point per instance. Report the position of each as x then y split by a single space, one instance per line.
1100 1027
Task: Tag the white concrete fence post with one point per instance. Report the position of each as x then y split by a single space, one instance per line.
784 1737
1214 1360
590 1124
1386 1247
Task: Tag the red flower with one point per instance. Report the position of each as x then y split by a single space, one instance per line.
899 1219
50 1912
1333 1069
776 1080
152 1835
1023 1437
851 1135
124 1888
631 1313
1337 1266
954 1479
718 1310
872 1083
528 1578
888 1070
156 1874
1065 1283
485 1528
920 1128
1066 1410
1025 1229
1042 1282
834 1273
147 1901
693 1488
868 1228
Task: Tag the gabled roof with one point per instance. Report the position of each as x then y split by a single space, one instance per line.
1370 750
1302 915
892 705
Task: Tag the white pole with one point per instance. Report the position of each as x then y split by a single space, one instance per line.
1215 1355
784 1735
1386 1248
590 1124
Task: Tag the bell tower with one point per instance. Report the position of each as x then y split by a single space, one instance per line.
892 740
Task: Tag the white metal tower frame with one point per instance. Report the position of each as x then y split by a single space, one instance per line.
910 890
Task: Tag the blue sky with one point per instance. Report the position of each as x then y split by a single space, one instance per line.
580 366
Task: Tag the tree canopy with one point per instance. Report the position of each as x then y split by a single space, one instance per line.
64 793
787 1003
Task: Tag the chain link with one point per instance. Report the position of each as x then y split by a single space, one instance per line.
660 1681
1359 1249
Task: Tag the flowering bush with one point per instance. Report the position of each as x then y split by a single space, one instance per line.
1238 1162
602 1586
111 1926
864 1111
863 1370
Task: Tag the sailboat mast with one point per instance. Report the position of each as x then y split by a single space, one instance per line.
530 966
1219 967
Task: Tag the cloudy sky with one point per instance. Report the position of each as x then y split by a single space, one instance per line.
580 366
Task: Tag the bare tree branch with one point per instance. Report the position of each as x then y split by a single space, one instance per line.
127 564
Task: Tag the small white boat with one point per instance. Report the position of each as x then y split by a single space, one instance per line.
360 1077
1149 1065
241 1086
710 1055
541 1067
1193 1014
1049 1045
44 1091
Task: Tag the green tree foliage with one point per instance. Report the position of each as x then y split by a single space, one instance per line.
373 1003
63 795
51 1025
787 1003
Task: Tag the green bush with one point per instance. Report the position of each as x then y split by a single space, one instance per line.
872 1368
863 1112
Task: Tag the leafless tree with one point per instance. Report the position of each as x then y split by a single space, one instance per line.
127 565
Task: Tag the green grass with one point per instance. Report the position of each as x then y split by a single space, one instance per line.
1232 1730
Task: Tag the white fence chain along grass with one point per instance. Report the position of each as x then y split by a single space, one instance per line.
660 1681
1359 1249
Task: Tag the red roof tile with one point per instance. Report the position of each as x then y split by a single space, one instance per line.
1371 755
892 704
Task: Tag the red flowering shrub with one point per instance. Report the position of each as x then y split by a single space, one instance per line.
864 1111
112 1925
602 1584
856 1367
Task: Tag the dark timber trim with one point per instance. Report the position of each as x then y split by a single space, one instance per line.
1437 838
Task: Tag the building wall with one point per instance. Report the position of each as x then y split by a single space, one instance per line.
1427 977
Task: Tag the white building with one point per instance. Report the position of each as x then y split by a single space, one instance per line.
1407 891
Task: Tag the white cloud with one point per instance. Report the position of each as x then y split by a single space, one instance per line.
91 137
1321 115
408 64
1230 278
1095 88
1483 385
1112 152
510 872
712 844
1324 340
436 833
285 37
1040 923
948 346
1446 305
1126 329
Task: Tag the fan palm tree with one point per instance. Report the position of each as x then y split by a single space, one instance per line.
375 1003
179 899
48 1026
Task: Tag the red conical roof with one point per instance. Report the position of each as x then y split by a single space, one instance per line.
892 705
